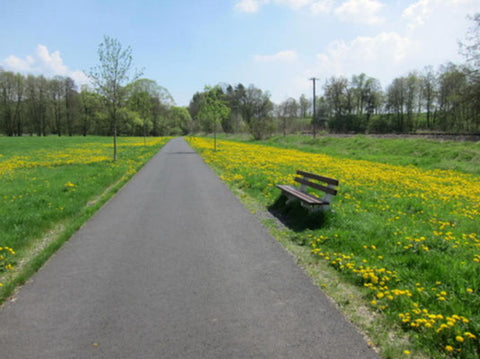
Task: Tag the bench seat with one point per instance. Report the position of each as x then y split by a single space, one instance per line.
305 197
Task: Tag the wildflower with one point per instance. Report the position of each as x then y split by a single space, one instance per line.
449 348
459 339
470 335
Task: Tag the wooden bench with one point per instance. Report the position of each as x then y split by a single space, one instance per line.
308 200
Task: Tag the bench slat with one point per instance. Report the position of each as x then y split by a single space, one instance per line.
305 197
328 180
316 186
301 195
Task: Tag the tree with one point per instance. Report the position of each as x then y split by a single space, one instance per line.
7 93
411 98
428 93
70 104
90 104
110 77
304 104
322 113
287 111
57 93
213 109
336 95
470 49
452 84
233 97
256 109
396 95
180 121
141 99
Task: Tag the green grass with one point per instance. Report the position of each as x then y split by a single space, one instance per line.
50 186
422 153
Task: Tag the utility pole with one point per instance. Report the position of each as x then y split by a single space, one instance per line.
314 116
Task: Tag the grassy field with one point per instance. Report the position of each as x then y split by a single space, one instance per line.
422 153
49 186
403 231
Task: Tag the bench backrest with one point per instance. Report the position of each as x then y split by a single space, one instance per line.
329 189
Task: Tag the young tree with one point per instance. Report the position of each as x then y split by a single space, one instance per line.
110 78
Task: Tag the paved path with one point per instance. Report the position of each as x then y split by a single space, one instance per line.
174 267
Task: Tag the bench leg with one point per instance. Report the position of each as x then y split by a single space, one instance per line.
290 198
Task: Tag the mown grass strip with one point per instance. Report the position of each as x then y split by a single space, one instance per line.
408 238
50 186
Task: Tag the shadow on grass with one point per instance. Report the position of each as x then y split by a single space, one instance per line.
296 217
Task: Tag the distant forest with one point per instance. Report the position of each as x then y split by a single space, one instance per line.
446 99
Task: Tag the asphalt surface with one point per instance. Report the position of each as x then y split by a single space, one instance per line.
174 267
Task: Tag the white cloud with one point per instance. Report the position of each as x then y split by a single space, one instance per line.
423 11
80 77
437 26
281 56
425 33
322 6
249 6
383 56
45 63
316 6
295 4
13 63
360 11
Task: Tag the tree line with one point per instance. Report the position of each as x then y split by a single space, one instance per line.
36 105
444 101
447 100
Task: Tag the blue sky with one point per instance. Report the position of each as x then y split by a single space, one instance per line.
274 44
